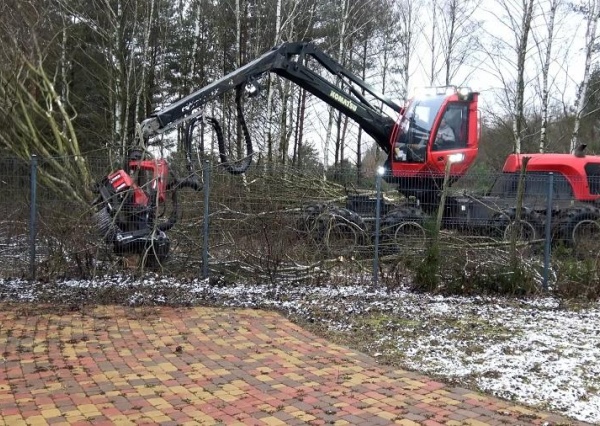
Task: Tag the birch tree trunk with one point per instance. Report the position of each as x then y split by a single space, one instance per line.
270 88
409 26
546 59
360 132
332 111
144 62
519 116
458 31
433 43
64 65
299 129
592 15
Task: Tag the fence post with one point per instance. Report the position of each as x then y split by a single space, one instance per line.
205 225
380 172
33 215
548 231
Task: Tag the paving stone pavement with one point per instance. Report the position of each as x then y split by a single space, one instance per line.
110 365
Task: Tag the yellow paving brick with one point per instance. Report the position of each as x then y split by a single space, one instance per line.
158 402
522 410
449 401
294 376
167 367
386 415
394 401
369 401
304 416
239 383
203 418
476 396
474 422
178 390
121 420
202 395
407 422
36 420
230 387
52 412
144 391
274 421
163 377
412 382
228 398
88 409
14 420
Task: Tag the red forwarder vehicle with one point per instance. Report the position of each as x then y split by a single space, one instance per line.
439 126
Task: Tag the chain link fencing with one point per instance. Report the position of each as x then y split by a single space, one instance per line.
285 224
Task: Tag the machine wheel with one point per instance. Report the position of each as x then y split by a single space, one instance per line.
309 223
106 225
344 231
152 249
402 230
579 228
527 228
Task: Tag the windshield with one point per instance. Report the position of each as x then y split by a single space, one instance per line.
419 119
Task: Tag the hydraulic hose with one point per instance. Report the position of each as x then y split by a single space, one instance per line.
235 167
174 186
243 164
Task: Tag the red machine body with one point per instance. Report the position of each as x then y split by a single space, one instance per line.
582 172
419 154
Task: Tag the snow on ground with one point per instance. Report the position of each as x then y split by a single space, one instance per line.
533 351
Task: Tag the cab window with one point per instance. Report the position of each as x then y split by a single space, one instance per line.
452 130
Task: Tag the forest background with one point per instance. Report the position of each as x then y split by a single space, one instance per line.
77 75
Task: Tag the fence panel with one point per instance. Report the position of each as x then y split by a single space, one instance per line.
285 224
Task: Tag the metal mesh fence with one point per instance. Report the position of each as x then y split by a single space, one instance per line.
286 224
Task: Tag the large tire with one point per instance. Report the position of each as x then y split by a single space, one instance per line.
309 224
340 231
579 229
344 231
402 230
528 228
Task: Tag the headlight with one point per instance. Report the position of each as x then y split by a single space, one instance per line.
456 158
464 92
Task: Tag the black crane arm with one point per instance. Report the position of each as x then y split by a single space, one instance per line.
289 61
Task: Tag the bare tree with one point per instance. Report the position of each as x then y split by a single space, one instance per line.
341 51
506 59
591 11
522 45
41 124
432 42
458 30
544 45
408 26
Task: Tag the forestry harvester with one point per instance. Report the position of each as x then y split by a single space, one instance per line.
438 127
